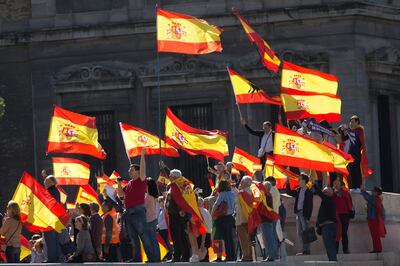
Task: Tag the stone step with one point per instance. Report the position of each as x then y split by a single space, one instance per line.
341 257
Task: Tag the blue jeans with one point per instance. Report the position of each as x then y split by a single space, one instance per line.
135 219
329 236
52 246
12 254
302 225
151 231
270 239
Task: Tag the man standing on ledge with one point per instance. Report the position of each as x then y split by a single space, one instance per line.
135 214
266 141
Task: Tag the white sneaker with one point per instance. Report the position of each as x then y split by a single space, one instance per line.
194 258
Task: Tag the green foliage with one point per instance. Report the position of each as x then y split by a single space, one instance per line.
2 107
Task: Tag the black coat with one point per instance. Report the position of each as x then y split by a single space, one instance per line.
327 210
258 133
308 200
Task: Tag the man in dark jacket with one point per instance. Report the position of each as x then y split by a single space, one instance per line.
302 208
96 227
265 142
326 220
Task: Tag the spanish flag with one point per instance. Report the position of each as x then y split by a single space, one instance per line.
293 149
340 159
268 57
180 33
73 133
70 171
194 141
63 195
184 196
280 174
247 92
163 249
135 139
245 162
114 175
303 79
163 180
25 250
39 210
298 105
86 194
254 206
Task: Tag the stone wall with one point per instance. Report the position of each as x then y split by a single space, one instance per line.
13 10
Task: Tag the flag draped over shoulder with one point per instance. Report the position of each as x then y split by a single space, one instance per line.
194 141
280 174
247 92
268 57
39 210
184 34
365 171
184 196
293 149
245 162
254 206
70 171
135 139
73 133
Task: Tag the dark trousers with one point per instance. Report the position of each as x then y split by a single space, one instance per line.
126 249
354 168
164 235
345 221
52 246
12 254
113 253
264 158
329 236
225 227
177 226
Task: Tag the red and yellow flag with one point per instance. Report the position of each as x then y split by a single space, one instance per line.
245 162
39 210
247 92
255 206
194 141
303 79
163 249
25 250
114 175
184 196
298 105
280 174
163 179
86 194
184 34
135 139
73 133
63 195
70 171
340 159
293 149
268 57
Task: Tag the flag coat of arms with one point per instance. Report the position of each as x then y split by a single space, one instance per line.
180 33
247 92
73 133
69 171
194 141
268 57
245 162
39 210
135 139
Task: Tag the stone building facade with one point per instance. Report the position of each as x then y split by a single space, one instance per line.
99 57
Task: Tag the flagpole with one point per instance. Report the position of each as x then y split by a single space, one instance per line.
240 112
158 91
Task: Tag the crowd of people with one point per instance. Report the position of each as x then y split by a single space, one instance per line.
138 215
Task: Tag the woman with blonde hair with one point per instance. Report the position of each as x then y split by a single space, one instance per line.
11 230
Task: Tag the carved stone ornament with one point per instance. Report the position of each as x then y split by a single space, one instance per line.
105 71
387 55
